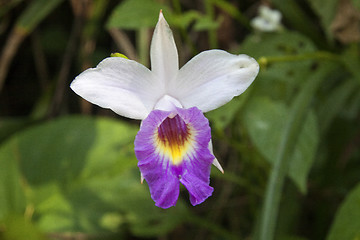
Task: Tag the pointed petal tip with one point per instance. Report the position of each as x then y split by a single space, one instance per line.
161 15
218 166
141 178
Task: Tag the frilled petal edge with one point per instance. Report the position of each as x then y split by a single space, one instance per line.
173 148
119 84
212 78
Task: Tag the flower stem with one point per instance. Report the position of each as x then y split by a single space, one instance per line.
233 12
211 32
143 40
320 55
183 33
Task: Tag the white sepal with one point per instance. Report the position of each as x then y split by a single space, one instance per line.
163 53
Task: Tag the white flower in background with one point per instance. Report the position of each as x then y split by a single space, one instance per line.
173 144
268 20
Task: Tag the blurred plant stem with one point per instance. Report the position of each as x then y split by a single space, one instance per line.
277 177
232 11
264 61
95 11
143 39
299 19
177 9
36 11
80 9
123 43
211 32
40 61
12 44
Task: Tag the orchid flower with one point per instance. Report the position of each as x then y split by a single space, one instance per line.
173 144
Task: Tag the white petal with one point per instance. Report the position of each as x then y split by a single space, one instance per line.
163 52
122 85
167 103
212 78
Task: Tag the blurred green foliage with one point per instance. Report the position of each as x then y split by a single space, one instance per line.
80 176
289 145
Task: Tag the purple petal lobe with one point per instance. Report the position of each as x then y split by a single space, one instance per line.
172 147
197 188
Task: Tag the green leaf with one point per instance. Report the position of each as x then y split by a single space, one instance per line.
351 61
277 44
35 13
335 102
281 77
234 12
326 10
82 176
265 120
353 106
291 237
136 14
298 18
206 23
18 228
220 118
346 225
292 131
12 195
9 126
183 20
356 3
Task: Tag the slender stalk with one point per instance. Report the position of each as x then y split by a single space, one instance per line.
264 61
183 33
40 61
177 6
232 11
9 50
25 24
211 32
68 57
123 43
143 40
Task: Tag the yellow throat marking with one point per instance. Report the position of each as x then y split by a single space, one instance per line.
174 139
